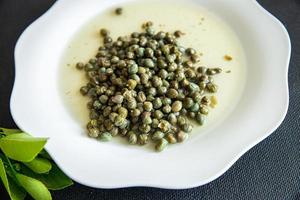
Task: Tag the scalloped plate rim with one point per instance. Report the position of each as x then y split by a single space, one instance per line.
191 185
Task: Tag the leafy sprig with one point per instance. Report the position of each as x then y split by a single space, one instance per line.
25 167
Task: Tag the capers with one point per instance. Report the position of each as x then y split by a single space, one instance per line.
190 51
176 106
105 137
146 87
123 112
167 109
104 32
172 119
158 135
211 87
80 66
182 136
118 99
158 114
119 11
84 90
161 145
171 138
164 126
143 139
178 33
200 118
148 63
172 93
133 69
188 102
187 128
93 132
132 137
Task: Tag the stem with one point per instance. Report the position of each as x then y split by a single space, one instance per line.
13 174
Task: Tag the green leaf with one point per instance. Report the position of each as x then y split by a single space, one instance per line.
45 154
14 192
22 147
7 131
34 187
54 180
39 165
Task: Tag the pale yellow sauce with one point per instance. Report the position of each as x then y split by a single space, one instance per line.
203 30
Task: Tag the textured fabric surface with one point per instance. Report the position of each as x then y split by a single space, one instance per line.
271 170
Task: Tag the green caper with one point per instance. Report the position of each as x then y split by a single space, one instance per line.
162 90
148 106
147 120
145 128
89 67
197 97
155 123
132 137
172 93
119 120
133 69
167 109
114 131
205 101
200 118
104 32
172 118
157 103
119 11
105 137
84 90
163 73
140 52
135 112
103 99
131 103
191 115
171 138
164 126
80 66
190 51
195 58
143 139
181 120
147 24
93 132
107 111
131 84
204 110
158 114
108 125
97 105
141 97
187 128
211 87
158 135
161 145
118 99
182 136
176 106
123 112
149 63
188 102
178 33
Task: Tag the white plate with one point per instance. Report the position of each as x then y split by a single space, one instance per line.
37 107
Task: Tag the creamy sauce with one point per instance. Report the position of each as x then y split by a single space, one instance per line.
203 30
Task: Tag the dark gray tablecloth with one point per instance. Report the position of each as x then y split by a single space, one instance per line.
271 170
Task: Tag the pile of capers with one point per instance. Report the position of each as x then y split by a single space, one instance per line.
146 87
